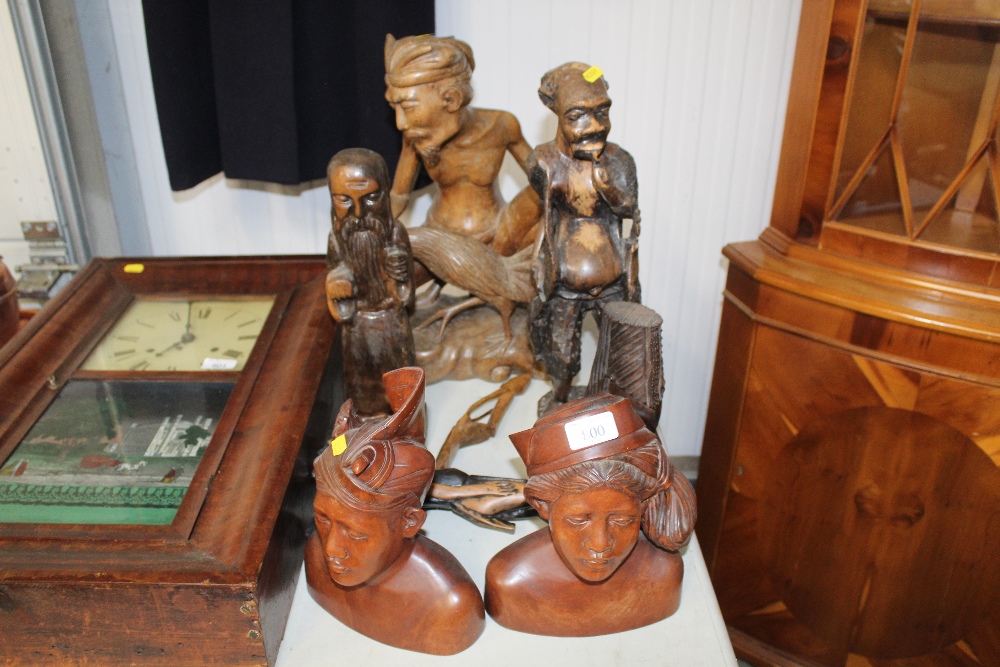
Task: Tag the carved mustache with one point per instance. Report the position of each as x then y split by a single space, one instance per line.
365 223
592 137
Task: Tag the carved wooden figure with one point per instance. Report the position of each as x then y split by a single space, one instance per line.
586 252
491 502
464 262
369 284
461 147
469 230
367 564
618 511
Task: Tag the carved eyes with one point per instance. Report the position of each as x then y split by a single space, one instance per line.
325 521
583 520
371 199
574 115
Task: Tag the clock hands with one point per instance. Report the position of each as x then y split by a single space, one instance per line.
186 337
177 345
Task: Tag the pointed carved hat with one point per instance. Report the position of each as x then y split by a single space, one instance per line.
385 463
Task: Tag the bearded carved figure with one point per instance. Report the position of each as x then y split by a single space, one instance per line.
618 512
367 564
369 283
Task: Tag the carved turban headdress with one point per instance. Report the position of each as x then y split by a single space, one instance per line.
385 464
412 61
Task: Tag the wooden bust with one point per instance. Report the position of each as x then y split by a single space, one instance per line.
367 564
369 284
587 255
618 512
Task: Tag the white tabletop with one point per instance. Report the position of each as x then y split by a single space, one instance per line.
694 636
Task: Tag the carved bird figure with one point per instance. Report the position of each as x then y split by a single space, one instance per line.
475 267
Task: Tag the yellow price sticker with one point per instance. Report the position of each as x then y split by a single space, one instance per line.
338 445
593 74
134 268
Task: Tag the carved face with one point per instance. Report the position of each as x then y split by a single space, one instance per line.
426 114
584 122
595 531
361 545
355 194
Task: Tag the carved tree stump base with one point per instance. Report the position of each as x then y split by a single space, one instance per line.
473 344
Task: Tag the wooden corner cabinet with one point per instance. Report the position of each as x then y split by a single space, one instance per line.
157 423
849 495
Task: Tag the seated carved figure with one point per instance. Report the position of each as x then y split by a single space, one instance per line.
618 512
471 239
367 565
462 148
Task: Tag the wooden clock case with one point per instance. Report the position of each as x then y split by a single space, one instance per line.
848 494
215 585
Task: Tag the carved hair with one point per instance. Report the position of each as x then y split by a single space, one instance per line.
666 498
442 62
369 161
376 475
554 79
383 464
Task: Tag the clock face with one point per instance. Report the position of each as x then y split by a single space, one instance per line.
182 335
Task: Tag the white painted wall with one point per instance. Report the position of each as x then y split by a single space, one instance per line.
699 92
25 191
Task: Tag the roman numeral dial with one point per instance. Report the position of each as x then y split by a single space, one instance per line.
207 333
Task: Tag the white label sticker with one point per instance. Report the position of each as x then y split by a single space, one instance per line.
211 364
591 430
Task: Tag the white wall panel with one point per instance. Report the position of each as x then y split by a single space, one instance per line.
699 92
25 191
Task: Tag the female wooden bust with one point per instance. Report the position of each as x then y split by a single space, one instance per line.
367 565
617 511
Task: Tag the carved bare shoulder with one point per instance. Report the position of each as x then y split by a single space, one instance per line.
497 127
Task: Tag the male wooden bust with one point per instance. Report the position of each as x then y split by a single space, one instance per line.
618 512
461 147
367 565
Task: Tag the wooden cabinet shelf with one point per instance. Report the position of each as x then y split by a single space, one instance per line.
849 489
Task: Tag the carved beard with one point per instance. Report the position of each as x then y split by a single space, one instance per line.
431 155
365 239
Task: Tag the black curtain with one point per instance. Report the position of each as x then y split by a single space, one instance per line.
270 90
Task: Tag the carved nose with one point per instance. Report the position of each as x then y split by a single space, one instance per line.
595 125
335 549
600 543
